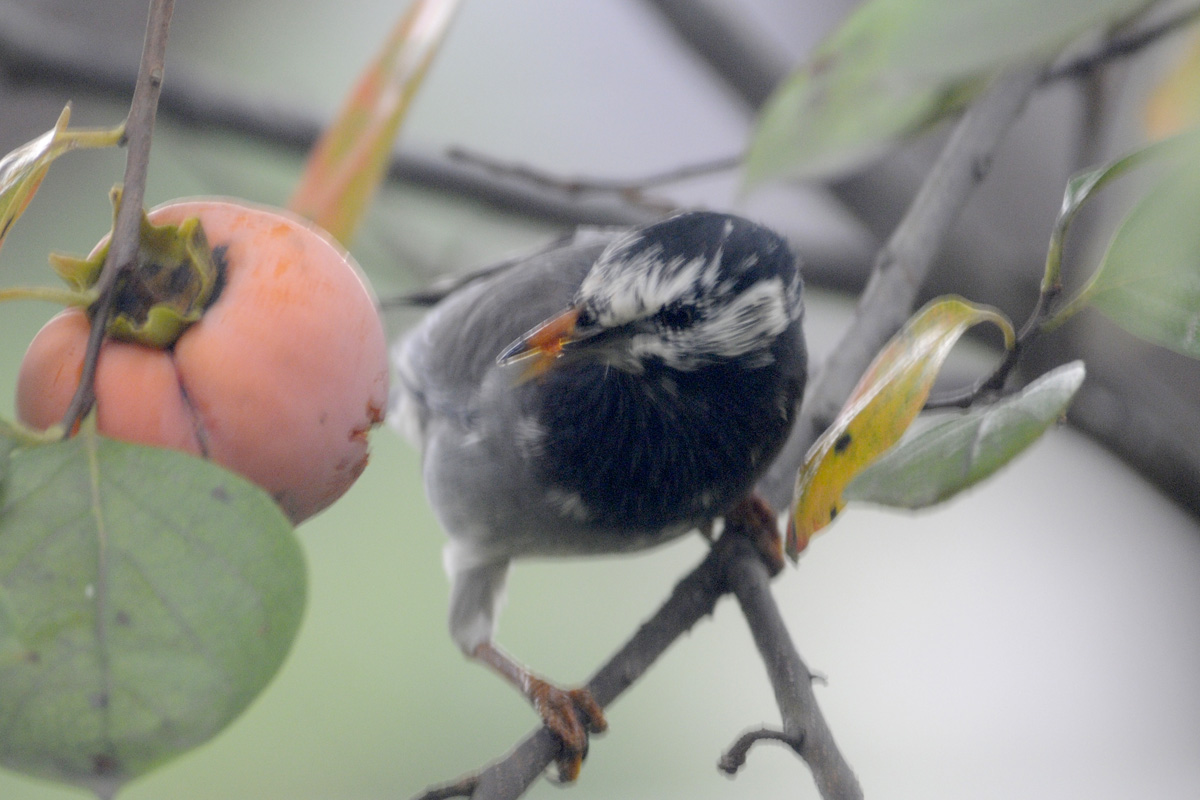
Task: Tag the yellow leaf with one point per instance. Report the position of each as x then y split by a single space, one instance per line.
888 397
347 165
22 170
1174 105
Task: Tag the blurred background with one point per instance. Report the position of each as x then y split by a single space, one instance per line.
1038 638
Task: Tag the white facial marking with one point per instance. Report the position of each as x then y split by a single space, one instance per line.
743 324
634 281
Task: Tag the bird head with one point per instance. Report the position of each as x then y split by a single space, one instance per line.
697 289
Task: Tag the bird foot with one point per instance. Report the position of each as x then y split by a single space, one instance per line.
570 714
754 519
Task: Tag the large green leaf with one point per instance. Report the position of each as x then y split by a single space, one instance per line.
146 597
958 452
1149 280
897 66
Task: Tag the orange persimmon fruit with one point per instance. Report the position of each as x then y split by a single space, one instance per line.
280 379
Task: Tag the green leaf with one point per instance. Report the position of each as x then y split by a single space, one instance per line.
1149 280
1081 188
22 170
146 597
888 397
347 165
955 453
896 67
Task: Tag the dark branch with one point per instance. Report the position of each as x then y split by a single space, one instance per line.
139 129
1124 46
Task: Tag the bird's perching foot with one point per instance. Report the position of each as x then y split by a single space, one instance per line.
570 714
754 519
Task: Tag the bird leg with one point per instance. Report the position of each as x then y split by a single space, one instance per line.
570 714
754 519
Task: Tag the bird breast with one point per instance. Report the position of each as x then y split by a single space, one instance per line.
656 451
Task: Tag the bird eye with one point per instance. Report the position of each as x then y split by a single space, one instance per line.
586 318
677 316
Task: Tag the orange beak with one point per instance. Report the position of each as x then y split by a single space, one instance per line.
542 346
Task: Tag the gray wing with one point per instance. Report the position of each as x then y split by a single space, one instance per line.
443 362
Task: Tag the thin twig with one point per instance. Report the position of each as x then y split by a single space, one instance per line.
1124 46
632 190
139 129
735 757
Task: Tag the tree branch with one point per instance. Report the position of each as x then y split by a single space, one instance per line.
122 253
733 564
804 727
692 599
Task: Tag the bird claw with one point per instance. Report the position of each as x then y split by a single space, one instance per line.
754 519
569 714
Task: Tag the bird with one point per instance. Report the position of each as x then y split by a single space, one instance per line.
603 395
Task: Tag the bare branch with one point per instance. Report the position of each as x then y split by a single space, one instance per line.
803 724
139 129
